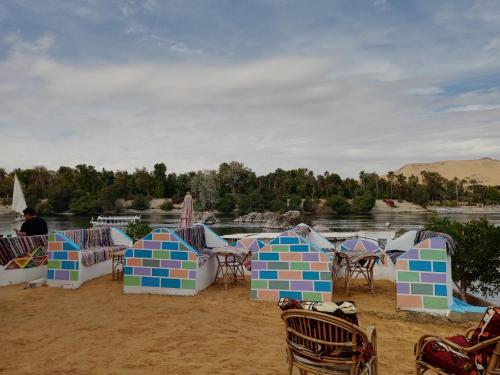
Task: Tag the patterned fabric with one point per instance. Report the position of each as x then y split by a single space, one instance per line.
488 328
204 255
97 255
194 236
426 234
438 354
302 230
35 258
344 309
394 254
15 247
90 238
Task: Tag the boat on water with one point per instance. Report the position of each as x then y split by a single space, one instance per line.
18 200
114 221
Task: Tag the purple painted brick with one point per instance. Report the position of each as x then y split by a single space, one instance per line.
152 244
259 265
143 271
310 257
255 275
403 288
301 285
438 243
50 255
411 254
62 275
192 274
433 277
171 264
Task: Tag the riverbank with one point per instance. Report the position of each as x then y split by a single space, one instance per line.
97 329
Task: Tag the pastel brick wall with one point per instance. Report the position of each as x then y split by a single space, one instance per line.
161 260
421 275
289 266
63 258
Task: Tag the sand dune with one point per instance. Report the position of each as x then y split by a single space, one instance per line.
99 330
486 171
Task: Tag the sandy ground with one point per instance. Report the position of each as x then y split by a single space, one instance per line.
99 330
485 171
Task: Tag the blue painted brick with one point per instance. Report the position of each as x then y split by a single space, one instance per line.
50 274
160 272
77 265
440 290
439 266
129 253
60 255
299 248
322 286
420 265
310 275
149 237
69 246
170 283
68 265
143 254
150 281
269 256
289 240
290 294
276 241
128 270
170 245
272 275
179 255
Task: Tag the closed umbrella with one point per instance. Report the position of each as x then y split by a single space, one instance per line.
187 211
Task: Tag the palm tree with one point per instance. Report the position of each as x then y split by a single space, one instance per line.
390 177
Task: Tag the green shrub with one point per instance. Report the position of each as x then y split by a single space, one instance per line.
44 208
294 202
309 205
137 230
277 205
339 204
167 205
226 204
364 202
140 202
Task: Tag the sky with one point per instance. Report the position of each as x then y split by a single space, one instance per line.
329 85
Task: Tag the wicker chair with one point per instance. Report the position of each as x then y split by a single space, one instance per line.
360 267
319 343
493 366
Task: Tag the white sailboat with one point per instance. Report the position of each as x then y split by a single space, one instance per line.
18 201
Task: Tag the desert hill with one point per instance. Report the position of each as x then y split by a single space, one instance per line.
485 171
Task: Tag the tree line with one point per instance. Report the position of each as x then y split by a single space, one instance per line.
84 189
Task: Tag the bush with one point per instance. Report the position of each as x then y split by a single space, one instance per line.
44 208
86 204
140 202
167 205
339 204
137 230
226 204
277 205
364 202
294 202
309 205
251 202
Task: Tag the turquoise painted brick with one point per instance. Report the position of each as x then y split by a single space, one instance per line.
170 245
269 256
278 265
420 265
290 294
289 240
272 275
322 286
310 275
440 290
299 248
439 266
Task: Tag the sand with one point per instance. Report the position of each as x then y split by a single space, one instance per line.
401 207
99 330
485 171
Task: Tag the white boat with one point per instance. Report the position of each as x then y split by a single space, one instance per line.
114 221
18 201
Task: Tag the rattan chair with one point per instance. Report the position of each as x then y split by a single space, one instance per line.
319 343
362 266
493 366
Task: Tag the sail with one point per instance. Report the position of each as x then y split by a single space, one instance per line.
18 201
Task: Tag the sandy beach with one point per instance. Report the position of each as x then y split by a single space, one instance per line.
99 330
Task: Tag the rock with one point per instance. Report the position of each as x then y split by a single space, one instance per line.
206 217
271 220
256 217
321 228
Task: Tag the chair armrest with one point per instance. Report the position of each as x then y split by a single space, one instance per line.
371 332
469 332
472 349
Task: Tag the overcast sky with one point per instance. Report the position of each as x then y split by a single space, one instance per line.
330 85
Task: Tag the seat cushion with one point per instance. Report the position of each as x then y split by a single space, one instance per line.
94 255
488 328
440 355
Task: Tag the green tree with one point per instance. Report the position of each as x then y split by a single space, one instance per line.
339 204
159 180
476 261
364 202
204 189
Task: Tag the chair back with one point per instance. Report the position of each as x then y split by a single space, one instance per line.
324 339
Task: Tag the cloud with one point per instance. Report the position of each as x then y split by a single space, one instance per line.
473 107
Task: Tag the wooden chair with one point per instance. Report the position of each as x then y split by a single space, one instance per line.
319 343
493 366
362 266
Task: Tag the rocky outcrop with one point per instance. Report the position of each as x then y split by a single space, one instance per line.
321 228
271 220
206 217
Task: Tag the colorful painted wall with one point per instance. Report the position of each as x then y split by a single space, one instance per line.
290 266
424 278
163 263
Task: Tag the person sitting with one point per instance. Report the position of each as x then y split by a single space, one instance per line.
33 225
